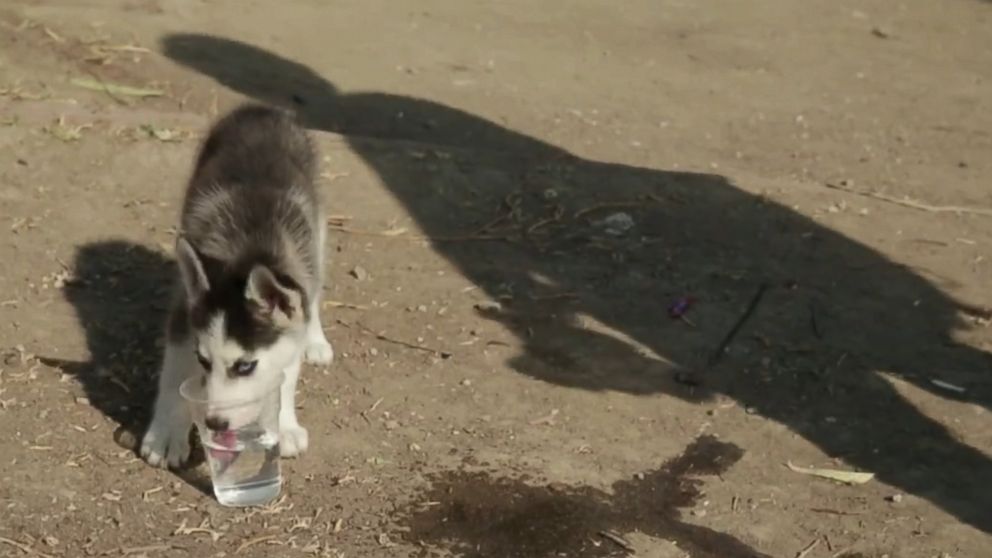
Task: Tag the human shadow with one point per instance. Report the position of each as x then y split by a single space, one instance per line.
589 255
120 293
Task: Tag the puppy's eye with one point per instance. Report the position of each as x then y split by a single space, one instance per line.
204 361
244 367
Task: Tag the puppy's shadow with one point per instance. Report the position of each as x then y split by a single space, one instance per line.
121 296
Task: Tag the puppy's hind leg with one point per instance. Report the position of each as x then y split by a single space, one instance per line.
166 442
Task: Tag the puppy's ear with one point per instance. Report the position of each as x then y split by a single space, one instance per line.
191 270
271 299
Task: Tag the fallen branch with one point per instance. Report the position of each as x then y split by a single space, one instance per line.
905 202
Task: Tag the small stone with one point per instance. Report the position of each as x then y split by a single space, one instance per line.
617 224
488 306
392 424
880 33
895 498
374 352
466 382
699 513
125 438
358 272
639 476
422 308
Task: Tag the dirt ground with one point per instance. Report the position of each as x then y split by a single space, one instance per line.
519 192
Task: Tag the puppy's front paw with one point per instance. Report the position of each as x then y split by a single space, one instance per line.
319 352
293 440
165 444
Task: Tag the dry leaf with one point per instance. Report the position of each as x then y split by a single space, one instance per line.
162 134
65 132
394 232
846 477
116 88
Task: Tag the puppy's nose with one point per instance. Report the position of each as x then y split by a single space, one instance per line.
216 424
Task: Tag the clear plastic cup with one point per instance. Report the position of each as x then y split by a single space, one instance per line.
244 456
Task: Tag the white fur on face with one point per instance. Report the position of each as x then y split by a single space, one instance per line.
222 387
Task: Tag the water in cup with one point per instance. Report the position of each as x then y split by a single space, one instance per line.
241 440
244 466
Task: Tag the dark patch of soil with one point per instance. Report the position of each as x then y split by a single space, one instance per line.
480 516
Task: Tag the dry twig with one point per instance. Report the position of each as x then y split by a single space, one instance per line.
607 205
618 540
906 202
24 548
722 347
401 233
407 344
252 542
127 551
809 548
339 304
183 529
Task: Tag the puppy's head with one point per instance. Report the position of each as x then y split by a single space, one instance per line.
246 327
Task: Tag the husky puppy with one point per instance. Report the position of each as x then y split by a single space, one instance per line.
250 257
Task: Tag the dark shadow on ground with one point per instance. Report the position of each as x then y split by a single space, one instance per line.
693 234
120 294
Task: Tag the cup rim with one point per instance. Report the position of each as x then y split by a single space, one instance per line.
186 390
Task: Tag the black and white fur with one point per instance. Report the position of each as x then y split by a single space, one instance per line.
250 254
